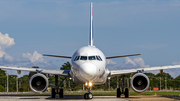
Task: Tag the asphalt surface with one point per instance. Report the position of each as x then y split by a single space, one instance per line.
81 98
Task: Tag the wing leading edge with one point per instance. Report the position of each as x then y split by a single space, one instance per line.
57 56
47 71
122 56
128 71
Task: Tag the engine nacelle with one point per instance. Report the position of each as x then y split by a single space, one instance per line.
140 82
38 83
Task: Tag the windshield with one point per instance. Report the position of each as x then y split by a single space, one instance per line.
99 58
92 58
76 58
87 58
83 58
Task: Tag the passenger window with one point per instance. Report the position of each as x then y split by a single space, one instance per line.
83 58
92 58
76 58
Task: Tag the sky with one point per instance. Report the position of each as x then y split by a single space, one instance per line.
30 28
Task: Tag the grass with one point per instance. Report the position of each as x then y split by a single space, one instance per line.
156 93
110 93
130 93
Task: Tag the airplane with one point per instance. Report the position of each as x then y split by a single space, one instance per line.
89 67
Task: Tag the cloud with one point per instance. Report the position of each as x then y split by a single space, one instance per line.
176 63
127 64
111 62
5 42
35 57
135 63
26 60
128 61
7 58
140 62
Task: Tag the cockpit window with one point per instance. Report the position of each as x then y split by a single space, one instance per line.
92 58
83 58
76 58
99 58
87 58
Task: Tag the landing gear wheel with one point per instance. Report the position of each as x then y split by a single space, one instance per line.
61 93
126 93
90 96
118 93
85 95
53 93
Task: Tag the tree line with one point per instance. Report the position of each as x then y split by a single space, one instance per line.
164 81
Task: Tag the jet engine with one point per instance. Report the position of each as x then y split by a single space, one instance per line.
139 82
38 83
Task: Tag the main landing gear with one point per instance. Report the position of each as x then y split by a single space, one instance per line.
121 91
53 93
89 94
56 90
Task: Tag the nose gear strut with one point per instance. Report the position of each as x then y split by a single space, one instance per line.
89 94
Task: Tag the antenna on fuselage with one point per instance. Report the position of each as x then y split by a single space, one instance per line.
91 26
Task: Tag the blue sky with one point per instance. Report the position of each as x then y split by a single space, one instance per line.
148 27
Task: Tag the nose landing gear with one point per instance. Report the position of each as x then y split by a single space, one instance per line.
89 94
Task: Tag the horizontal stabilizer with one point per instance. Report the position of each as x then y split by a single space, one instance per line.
57 56
122 56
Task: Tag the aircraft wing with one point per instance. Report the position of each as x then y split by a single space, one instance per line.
47 71
57 56
129 71
121 56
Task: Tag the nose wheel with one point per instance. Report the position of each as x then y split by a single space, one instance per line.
88 96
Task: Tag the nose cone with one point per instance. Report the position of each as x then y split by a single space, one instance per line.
88 70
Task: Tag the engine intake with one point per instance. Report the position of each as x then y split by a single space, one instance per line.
38 83
140 82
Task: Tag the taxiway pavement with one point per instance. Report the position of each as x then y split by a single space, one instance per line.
81 98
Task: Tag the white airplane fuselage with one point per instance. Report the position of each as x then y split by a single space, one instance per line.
88 64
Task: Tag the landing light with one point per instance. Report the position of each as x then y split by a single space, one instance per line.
90 84
86 83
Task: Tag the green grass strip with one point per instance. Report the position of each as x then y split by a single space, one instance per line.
130 93
109 93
